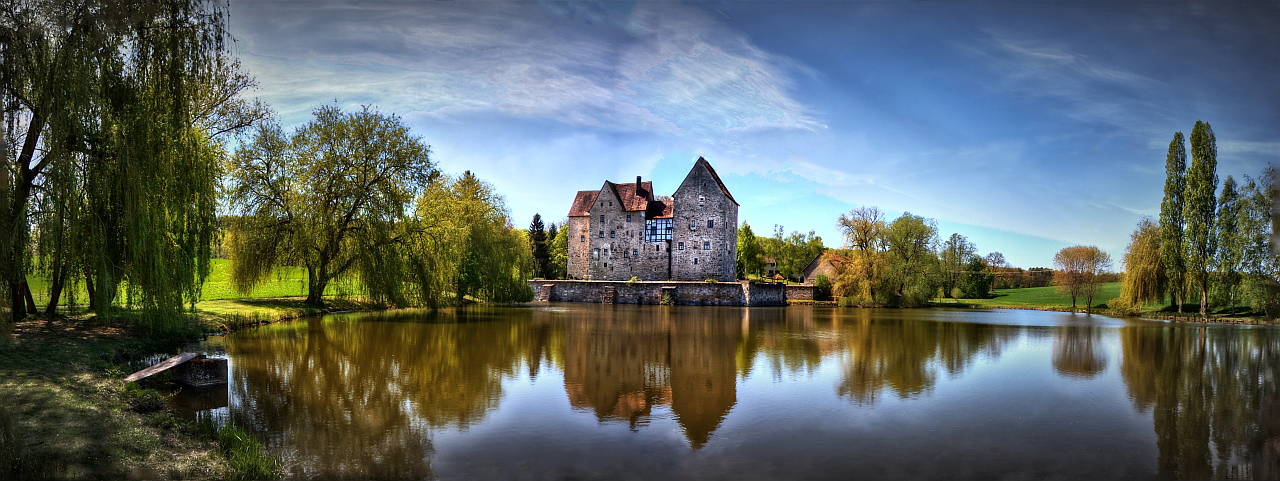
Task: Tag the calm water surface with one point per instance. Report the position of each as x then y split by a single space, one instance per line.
585 391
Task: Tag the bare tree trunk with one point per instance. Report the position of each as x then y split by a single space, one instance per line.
93 293
17 310
316 283
31 301
55 292
1204 299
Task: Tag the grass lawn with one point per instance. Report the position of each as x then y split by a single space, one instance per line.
1038 297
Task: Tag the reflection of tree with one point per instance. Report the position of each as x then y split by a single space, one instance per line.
903 355
1077 351
1213 398
355 399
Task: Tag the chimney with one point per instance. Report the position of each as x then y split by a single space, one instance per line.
637 182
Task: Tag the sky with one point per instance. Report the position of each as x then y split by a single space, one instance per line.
1025 126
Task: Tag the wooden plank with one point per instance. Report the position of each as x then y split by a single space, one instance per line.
168 363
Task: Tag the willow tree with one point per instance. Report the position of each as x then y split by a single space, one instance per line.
1172 221
334 198
1144 275
113 111
1201 209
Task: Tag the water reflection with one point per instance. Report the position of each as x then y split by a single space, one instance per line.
1077 351
373 396
1212 394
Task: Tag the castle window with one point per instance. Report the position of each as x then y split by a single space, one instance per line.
601 217
624 254
628 217
635 252
681 246
606 252
601 234
611 203
656 230
695 260
710 223
693 224
584 238
610 234
706 245
595 254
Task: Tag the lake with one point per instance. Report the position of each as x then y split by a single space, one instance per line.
590 391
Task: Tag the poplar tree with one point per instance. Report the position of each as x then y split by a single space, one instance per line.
1201 208
1172 221
1230 242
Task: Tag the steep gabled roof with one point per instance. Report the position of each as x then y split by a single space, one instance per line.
582 203
703 162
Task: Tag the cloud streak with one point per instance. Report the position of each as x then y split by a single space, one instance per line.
661 67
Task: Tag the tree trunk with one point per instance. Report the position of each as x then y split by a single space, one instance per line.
31 301
316 283
55 292
17 310
93 293
1204 301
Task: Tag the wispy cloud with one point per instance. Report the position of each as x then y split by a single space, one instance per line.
656 67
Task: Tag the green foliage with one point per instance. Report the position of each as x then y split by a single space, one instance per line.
750 253
955 253
821 288
1260 268
1144 280
1201 209
977 279
791 252
124 106
245 455
1230 242
331 198
1172 220
538 245
913 267
560 252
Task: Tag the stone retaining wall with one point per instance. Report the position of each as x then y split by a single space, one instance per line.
800 292
684 293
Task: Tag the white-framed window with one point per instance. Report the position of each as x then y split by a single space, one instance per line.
657 230
693 224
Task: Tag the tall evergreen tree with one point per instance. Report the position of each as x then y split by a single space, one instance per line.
1172 221
1201 208
538 244
1230 242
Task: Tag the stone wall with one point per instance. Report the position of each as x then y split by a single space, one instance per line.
650 292
706 229
579 247
804 292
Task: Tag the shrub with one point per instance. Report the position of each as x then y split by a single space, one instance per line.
821 288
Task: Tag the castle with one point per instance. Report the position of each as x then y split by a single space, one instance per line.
622 231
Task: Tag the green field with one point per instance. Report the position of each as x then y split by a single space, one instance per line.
1038 297
286 282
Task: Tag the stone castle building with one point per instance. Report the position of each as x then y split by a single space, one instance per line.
622 231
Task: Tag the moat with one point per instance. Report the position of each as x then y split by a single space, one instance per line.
589 391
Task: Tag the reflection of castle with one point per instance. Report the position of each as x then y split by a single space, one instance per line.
620 367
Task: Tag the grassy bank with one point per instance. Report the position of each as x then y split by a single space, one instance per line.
1039 298
67 413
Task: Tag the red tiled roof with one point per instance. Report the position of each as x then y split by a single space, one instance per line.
633 200
582 203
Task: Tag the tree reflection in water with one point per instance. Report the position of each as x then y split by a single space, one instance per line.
1212 394
362 397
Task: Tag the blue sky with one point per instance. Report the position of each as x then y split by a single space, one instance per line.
1026 126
